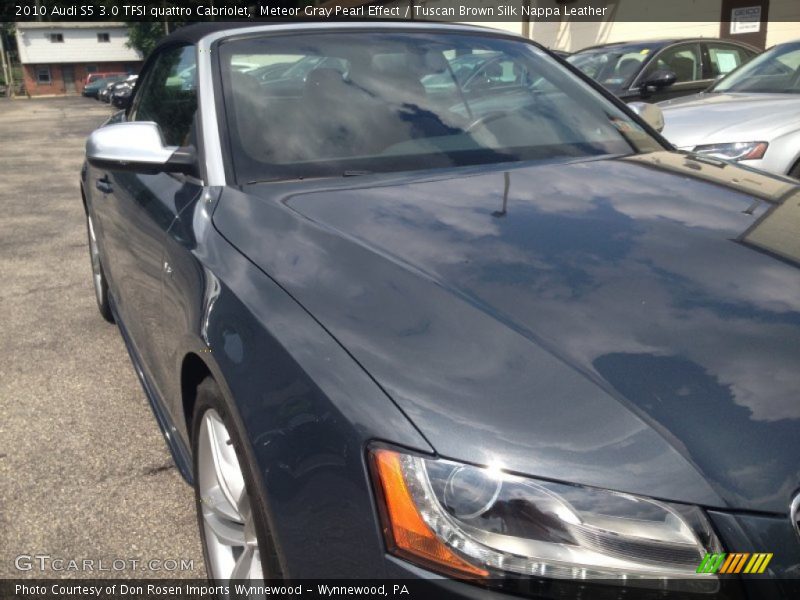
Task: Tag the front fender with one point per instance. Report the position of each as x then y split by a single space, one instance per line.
307 407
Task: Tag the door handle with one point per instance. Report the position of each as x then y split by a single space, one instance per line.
104 185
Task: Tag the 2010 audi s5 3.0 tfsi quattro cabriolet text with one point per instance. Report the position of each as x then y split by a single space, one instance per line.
502 336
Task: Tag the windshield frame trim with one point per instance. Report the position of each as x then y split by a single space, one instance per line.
211 96
209 85
773 49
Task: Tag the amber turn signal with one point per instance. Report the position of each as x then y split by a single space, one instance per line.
407 535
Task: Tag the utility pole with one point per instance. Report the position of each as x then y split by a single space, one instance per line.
7 74
526 19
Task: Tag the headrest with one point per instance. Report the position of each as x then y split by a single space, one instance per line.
324 78
627 66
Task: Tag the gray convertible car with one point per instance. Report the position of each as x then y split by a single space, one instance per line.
752 116
506 338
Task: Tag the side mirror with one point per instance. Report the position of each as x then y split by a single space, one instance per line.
658 79
649 113
137 146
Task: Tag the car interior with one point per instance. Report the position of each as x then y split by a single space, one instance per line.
392 106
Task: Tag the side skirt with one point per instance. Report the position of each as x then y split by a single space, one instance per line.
180 453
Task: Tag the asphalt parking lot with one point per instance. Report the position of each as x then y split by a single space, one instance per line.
84 471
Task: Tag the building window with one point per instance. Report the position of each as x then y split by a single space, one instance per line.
103 37
91 68
57 38
43 75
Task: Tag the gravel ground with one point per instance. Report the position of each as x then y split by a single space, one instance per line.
84 471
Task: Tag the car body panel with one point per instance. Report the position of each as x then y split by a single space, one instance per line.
92 77
510 337
564 326
712 118
630 89
308 408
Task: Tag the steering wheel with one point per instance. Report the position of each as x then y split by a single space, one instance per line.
486 119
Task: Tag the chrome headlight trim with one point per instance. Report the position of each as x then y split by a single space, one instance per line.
734 151
663 552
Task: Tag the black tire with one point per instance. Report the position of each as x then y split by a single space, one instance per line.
795 170
209 396
98 275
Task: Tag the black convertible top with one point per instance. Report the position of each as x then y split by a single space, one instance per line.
191 34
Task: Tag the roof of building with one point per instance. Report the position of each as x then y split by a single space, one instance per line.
661 42
61 43
69 24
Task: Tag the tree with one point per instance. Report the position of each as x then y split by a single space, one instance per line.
7 46
145 35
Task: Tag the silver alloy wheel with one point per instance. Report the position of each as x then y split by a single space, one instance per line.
230 533
97 273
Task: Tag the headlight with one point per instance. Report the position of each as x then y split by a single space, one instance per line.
734 151
483 523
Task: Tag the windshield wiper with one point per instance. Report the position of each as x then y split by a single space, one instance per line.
279 179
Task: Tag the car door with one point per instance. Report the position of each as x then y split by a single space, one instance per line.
686 62
143 205
720 58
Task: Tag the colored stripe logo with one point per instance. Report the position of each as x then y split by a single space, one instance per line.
735 562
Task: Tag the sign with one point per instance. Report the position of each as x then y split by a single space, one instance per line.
734 563
746 20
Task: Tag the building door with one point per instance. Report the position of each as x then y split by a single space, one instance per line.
68 74
745 21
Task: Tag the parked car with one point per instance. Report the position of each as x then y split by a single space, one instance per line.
475 73
122 93
93 89
290 81
468 71
121 98
104 94
752 116
273 71
107 93
92 77
657 70
514 348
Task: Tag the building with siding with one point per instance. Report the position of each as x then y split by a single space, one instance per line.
57 57
765 22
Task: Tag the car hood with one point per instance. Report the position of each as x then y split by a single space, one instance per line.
710 118
622 323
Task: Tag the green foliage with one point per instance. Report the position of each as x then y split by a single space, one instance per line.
145 35
7 30
9 43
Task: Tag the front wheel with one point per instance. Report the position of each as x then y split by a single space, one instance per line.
98 276
230 507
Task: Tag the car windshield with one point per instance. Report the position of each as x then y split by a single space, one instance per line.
379 102
612 67
461 67
775 71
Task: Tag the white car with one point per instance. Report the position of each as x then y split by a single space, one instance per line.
751 116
